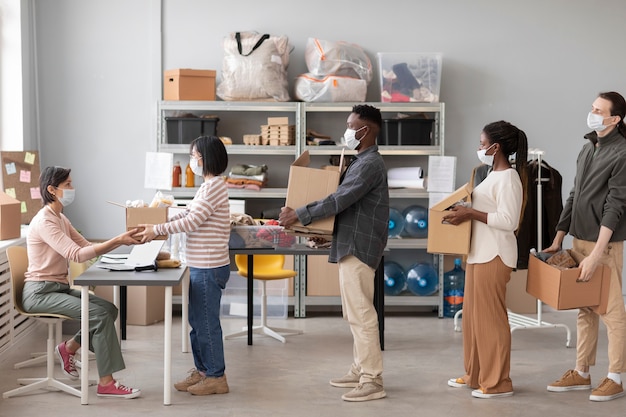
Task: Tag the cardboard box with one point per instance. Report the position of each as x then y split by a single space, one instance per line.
517 299
146 215
307 185
322 277
560 288
10 217
145 305
189 84
447 238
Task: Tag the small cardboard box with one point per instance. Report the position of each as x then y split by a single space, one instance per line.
145 305
517 299
307 185
444 237
146 215
189 84
560 288
10 217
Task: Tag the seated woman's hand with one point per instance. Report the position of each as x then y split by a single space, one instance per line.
145 233
129 237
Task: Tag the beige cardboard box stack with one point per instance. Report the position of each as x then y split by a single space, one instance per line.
10 215
307 185
447 238
144 306
277 132
145 215
189 84
560 288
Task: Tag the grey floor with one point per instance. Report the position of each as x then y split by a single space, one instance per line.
275 379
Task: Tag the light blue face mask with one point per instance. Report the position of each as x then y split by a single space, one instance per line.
68 196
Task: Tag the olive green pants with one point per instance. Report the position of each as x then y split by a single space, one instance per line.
54 297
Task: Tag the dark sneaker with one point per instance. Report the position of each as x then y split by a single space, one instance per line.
349 380
478 393
607 390
68 364
117 390
209 385
570 381
365 392
192 379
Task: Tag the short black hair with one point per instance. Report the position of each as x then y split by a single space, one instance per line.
368 113
213 153
51 176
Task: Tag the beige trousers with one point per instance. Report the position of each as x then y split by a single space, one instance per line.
486 330
614 318
356 283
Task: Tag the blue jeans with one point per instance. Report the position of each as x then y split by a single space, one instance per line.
205 294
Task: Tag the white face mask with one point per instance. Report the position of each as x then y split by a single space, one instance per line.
484 158
67 197
193 163
350 140
595 122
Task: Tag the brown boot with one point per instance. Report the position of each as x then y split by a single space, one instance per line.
193 378
209 385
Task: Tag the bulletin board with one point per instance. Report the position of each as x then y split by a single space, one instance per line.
20 180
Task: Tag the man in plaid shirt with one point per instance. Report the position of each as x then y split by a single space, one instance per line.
361 209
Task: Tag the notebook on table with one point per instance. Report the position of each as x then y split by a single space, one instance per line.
141 258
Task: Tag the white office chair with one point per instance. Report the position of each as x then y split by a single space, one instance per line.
18 264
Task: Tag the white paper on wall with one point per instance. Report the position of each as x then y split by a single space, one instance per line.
158 174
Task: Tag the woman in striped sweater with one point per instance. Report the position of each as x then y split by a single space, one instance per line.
206 221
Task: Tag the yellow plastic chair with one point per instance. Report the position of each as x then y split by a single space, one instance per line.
266 267
18 264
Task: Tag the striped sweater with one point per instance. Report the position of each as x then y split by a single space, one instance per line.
206 221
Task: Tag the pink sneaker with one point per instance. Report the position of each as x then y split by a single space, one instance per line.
67 361
117 390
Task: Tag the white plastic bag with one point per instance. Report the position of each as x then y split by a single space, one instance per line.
254 67
337 58
331 88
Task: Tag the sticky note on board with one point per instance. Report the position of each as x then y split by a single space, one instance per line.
35 194
24 176
10 168
29 158
10 192
24 209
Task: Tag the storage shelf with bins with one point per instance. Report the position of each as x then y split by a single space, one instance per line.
238 118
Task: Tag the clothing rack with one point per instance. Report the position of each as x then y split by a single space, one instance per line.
519 321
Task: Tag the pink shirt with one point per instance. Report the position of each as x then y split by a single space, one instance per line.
207 225
51 243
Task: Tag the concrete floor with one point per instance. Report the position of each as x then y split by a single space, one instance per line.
275 379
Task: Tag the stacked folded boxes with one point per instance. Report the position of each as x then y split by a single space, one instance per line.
277 132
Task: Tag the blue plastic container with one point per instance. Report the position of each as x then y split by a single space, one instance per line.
395 278
396 222
453 289
422 279
416 221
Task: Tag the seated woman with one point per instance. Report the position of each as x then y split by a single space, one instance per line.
52 242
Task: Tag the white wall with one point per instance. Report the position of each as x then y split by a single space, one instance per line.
537 63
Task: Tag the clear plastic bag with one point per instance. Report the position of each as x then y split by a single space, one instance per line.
337 58
331 88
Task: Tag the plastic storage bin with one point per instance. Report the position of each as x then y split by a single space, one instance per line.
260 237
182 130
410 77
408 131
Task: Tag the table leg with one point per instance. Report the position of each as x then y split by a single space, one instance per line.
117 303
167 354
123 311
250 298
185 312
84 344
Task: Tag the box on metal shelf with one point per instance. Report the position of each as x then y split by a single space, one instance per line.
183 130
406 131
560 288
146 215
444 237
10 217
189 84
410 77
307 185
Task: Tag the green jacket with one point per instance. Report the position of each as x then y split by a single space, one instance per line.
598 197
